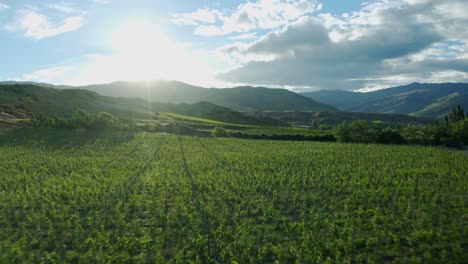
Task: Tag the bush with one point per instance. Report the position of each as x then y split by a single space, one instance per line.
360 131
83 120
219 132
342 133
458 132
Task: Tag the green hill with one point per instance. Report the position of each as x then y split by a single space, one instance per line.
417 99
47 100
239 98
32 98
444 104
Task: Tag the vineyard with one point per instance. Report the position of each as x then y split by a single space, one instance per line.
154 198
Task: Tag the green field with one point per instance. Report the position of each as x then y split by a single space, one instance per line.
199 120
286 131
96 197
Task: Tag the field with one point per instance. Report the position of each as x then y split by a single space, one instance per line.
286 131
95 197
193 119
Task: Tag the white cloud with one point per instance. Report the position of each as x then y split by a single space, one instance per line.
38 26
139 51
208 31
3 7
384 43
200 16
44 75
102 2
62 7
244 36
260 14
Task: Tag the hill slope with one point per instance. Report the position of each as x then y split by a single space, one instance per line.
47 100
417 99
64 102
343 100
239 98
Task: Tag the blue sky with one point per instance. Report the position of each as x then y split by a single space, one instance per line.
297 44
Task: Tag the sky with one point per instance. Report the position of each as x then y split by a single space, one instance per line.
296 44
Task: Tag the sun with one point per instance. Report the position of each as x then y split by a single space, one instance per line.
141 51
140 38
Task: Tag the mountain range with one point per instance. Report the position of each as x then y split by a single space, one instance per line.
244 99
417 99
143 99
35 99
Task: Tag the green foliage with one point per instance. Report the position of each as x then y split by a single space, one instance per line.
329 120
454 132
456 126
424 135
219 132
73 196
360 131
456 114
342 133
270 131
459 132
82 119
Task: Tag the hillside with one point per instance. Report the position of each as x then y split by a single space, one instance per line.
239 98
343 100
31 98
47 100
416 99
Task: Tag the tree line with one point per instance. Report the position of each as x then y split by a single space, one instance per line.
82 120
453 132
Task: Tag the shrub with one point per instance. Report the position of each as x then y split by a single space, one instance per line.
84 120
219 132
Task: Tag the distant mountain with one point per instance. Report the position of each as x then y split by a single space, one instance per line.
239 98
38 84
416 99
64 102
343 100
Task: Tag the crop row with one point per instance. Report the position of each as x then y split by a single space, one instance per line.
160 198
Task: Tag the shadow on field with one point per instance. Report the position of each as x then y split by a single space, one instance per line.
60 138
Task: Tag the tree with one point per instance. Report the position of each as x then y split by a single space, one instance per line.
456 114
342 133
360 131
389 137
458 132
219 132
456 126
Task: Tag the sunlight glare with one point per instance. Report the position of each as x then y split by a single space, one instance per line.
142 51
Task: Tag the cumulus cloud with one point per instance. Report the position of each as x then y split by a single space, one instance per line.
385 40
260 14
36 25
